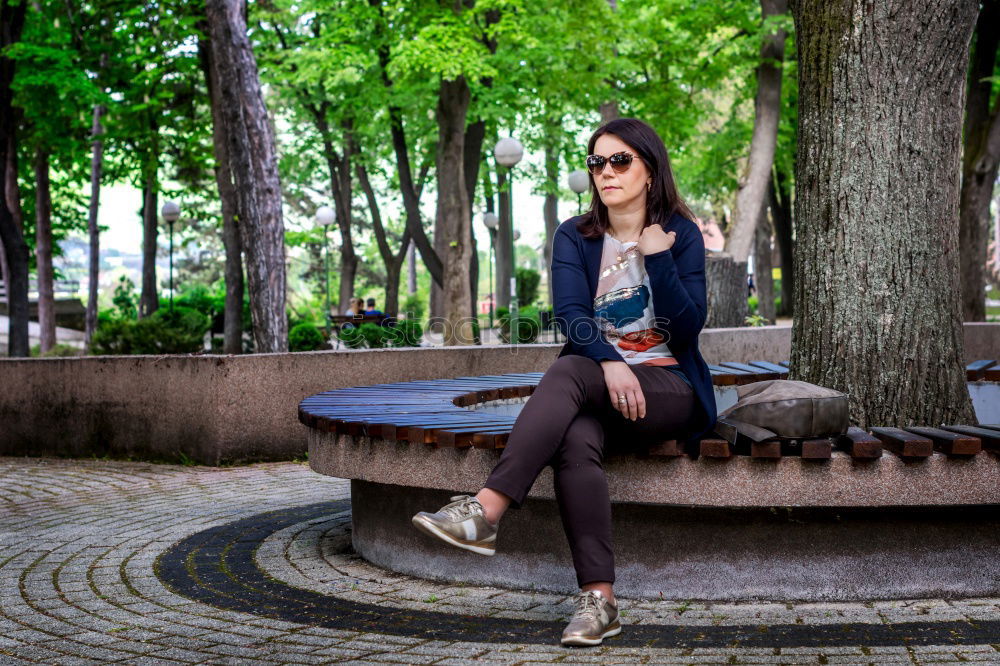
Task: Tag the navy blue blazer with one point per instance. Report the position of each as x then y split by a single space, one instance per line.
677 279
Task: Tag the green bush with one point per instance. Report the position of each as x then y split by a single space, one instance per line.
528 325
58 349
414 307
351 337
406 333
125 299
180 331
306 337
527 285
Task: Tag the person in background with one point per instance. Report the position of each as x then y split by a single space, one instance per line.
372 310
357 307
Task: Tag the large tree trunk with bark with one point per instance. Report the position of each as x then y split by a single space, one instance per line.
232 341
453 215
780 202
43 252
751 196
11 237
149 297
255 172
881 93
980 158
726 289
762 265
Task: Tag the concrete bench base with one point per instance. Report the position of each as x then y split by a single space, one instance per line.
706 553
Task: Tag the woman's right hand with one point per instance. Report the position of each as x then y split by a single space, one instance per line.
620 380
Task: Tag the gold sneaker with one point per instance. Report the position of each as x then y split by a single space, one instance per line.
594 620
462 524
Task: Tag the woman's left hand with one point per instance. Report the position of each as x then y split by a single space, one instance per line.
653 239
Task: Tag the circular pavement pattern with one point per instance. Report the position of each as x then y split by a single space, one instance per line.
137 563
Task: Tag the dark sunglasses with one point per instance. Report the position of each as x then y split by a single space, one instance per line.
620 162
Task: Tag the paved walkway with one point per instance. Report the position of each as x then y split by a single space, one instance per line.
137 563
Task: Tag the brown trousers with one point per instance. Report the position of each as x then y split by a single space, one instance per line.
570 423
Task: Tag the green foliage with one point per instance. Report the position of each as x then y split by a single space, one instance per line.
180 331
126 301
58 350
404 333
527 285
755 320
414 307
529 325
306 337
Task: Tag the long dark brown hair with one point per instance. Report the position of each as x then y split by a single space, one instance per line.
662 200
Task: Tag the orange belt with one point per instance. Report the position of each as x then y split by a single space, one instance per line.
666 360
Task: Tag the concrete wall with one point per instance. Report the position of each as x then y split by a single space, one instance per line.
236 408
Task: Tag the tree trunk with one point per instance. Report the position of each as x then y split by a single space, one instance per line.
979 163
411 268
726 290
504 239
453 215
339 167
149 297
14 247
780 202
762 276
876 272
232 342
393 262
752 193
472 153
255 173
43 252
550 209
93 232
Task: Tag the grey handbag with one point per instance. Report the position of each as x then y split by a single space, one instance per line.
784 408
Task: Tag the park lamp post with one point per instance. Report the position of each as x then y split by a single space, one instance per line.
491 222
170 212
579 181
508 152
325 216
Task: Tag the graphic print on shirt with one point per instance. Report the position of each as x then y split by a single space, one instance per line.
623 305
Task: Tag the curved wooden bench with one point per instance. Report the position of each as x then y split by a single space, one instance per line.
442 412
894 512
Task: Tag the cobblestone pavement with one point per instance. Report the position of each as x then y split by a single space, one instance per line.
148 564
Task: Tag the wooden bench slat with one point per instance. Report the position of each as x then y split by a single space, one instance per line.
772 367
670 448
817 449
990 438
860 445
977 369
904 444
769 449
949 443
760 374
715 447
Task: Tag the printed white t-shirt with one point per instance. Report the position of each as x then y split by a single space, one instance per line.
623 305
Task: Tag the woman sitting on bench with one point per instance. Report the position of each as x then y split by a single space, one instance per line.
629 289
